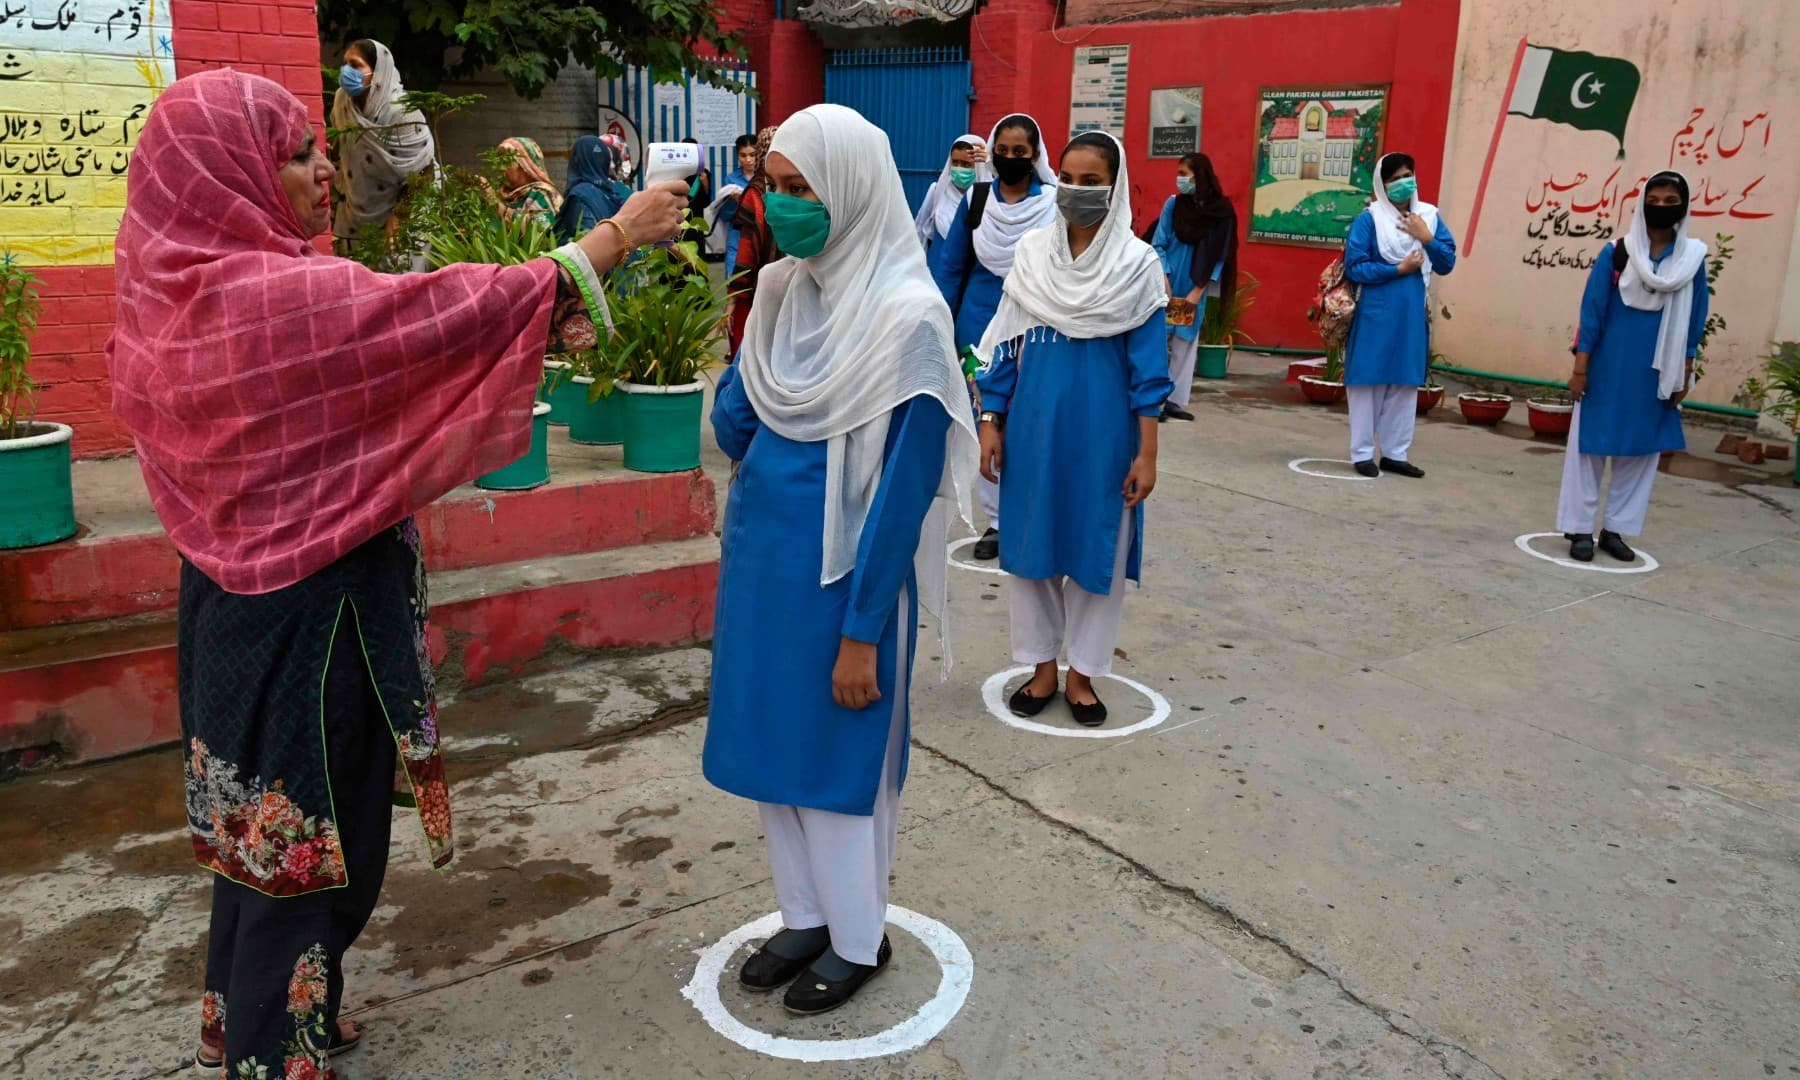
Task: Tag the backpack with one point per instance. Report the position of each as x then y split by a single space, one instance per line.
1334 305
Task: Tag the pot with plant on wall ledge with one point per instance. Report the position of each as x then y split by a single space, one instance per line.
1550 414
1776 391
1222 327
1326 388
666 333
34 457
1431 395
597 416
1480 407
533 469
560 391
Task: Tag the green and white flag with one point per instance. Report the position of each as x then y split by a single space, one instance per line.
1593 93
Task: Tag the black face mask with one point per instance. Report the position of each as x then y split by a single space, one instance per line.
1012 170
1664 217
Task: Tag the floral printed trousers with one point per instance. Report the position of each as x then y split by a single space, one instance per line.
274 964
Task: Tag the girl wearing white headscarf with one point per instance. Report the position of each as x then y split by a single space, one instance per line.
849 416
387 144
1076 377
1642 317
1394 248
961 169
1015 195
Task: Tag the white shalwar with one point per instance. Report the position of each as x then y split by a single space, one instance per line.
1182 355
1387 413
989 493
832 869
1627 497
1049 614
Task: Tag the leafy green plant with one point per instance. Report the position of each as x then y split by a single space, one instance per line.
1334 364
1223 324
603 365
1778 390
19 309
668 320
1716 259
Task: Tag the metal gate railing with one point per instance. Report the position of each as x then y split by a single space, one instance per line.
919 96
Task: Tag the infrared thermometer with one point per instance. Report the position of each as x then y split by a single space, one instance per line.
672 161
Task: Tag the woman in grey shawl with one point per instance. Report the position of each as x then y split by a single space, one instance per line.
383 143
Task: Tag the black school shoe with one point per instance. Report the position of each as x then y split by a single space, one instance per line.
1368 469
1614 544
1089 715
1401 468
764 970
1176 412
988 547
1581 547
815 994
1027 706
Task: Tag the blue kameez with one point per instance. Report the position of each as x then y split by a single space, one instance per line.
728 214
1621 416
1177 258
971 289
774 734
1072 411
1389 341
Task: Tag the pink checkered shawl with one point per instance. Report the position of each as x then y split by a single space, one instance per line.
289 405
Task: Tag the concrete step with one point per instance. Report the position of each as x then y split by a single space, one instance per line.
84 691
121 563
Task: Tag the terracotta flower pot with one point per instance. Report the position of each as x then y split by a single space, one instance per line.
1297 368
1479 408
1549 417
1321 391
1429 398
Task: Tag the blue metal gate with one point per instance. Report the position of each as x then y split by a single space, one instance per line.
919 96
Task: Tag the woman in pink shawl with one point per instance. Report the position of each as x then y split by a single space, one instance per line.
291 411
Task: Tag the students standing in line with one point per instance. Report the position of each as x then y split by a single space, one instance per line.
971 263
961 169
1641 319
849 415
1394 248
1070 401
1196 239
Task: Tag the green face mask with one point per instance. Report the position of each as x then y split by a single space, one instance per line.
800 226
1401 191
961 177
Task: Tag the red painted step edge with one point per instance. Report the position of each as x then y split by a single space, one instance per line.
86 580
103 706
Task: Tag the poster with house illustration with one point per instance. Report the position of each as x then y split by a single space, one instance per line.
1315 152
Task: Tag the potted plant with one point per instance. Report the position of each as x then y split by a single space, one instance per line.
1550 413
1483 407
667 327
1327 388
1778 391
559 391
596 413
34 457
1431 395
1222 327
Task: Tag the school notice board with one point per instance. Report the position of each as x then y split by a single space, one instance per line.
1175 121
1316 149
1097 89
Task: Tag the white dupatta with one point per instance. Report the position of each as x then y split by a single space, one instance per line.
386 145
1670 290
1394 242
938 211
1004 224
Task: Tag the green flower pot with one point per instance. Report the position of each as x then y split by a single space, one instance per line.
532 470
662 426
563 396
40 500
596 423
1212 361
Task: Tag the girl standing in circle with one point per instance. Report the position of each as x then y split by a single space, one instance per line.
849 416
1196 239
1070 400
1641 320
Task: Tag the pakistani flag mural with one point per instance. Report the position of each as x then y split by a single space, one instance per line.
1579 89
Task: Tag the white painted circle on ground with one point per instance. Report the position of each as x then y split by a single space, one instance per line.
970 541
1524 544
1297 463
922 1027
993 695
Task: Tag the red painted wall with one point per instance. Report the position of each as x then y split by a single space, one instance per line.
278 39
1410 45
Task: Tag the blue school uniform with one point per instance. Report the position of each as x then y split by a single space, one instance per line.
773 733
1072 409
1621 416
728 213
1177 258
1389 341
971 289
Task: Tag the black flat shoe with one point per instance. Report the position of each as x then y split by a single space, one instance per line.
1176 412
1581 547
1401 468
814 994
988 547
1023 704
1614 544
1089 715
1368 469
764 970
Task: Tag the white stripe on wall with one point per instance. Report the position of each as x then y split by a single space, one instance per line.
1531 81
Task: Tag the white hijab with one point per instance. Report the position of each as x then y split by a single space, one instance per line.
1670 290
835 342
1003 223
1110 288
1395 242
390 145
939 208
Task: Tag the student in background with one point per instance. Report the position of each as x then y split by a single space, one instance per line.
1196 240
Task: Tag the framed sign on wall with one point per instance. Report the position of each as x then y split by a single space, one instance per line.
1175 121
1316 149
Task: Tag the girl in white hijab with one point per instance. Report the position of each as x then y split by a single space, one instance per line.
1076 379
1642 318
965 165
387 145
850 418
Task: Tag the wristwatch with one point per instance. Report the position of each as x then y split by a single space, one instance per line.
998 419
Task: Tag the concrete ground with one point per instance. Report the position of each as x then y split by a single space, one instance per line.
1423 806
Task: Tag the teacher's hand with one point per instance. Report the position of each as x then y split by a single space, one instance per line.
656 213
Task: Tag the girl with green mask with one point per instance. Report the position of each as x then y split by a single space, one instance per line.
961 169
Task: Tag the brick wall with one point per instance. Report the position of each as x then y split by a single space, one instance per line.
277 39
1000 53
